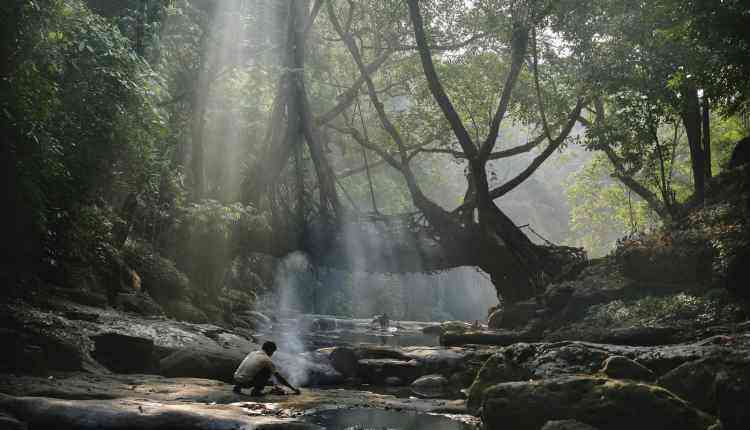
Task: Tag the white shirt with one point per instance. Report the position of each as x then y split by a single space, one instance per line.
252 364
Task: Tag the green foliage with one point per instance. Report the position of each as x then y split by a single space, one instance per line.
159 276
602 209
81 104
649 311
207 235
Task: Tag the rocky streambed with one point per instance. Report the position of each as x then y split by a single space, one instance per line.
75 366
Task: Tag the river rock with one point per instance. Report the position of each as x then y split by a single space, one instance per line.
485 337
514 315
567 425
183 310
497 369
125 354
600 402
43 413
376 370
310 369
138 303
718 385
7 422
641 336
431 386
344 360
206 363
620 367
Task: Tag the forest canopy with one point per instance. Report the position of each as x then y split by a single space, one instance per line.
407 136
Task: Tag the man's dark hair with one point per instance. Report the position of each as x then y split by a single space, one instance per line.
269 347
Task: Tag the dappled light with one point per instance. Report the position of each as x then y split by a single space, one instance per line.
354 214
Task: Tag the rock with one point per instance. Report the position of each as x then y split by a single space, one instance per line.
514 315
219 364
485 337
643 336
377 352
324 324
455 326
438 360
666 264
344 360
620 367
259 319
740 153
81 296
495 319
567 425
125 354
557 296
497 369
160 277
40 412
597 283
185 311
718 385
376 370
138 303
393 381
307 370
600 402
431 386
7 422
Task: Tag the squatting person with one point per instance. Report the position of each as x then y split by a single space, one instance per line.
256 370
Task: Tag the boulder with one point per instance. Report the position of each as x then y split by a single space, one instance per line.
138 303
497 369
666 264
183 310
393 381
310 369
620 367
514 315
8 422
125 354
641 336
432 386
344 360
259 319
376 370
740 153
718 385
600 402
219 364
567 425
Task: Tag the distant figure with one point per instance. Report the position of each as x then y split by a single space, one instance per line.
381 320
256 371
741 153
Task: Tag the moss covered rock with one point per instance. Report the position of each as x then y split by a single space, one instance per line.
497 369
600 402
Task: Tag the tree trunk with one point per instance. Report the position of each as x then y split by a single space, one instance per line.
691 118
707 134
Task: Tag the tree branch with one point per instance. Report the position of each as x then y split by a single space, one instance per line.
519 41
436 88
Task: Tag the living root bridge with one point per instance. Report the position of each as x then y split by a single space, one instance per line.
395 244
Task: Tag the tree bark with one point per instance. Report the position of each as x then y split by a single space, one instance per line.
691 118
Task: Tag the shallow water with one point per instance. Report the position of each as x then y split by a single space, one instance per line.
366 418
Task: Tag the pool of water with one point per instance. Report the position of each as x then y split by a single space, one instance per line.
365 418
